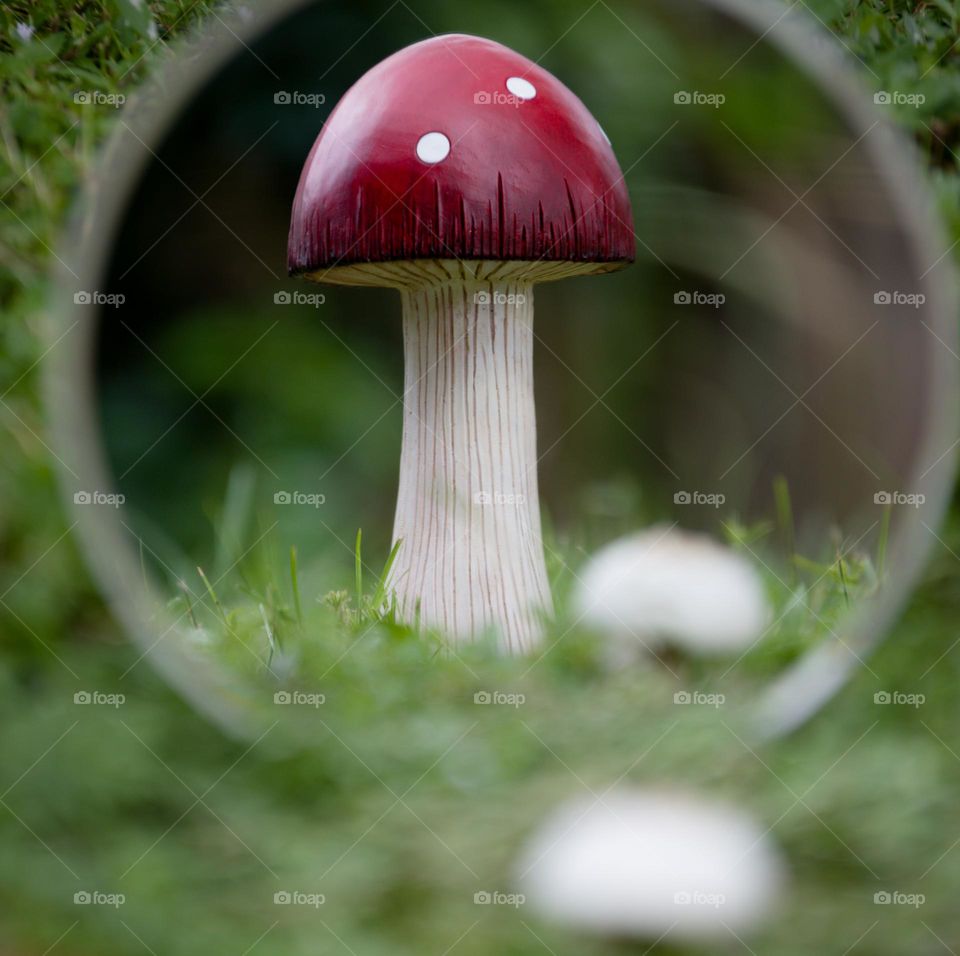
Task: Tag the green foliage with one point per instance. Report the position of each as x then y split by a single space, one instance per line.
409 797
809 600
912 49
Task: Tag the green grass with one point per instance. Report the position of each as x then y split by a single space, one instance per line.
262 613
398 797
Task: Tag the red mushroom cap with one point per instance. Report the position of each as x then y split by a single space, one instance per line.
459 148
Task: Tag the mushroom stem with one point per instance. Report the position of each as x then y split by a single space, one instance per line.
468 514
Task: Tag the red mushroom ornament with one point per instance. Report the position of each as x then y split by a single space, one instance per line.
461 173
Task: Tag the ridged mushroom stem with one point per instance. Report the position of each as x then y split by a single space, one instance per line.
468 514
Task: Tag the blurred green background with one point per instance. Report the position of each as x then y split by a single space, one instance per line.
639 398
147 799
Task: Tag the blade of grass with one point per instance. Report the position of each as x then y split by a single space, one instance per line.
186 596
295 584
270 639
213 595
235 517
358 567
843 579
379 595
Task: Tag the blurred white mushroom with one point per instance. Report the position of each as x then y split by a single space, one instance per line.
667 585
649 864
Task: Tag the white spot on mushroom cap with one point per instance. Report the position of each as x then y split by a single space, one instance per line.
521 88
647 862
671 586
433 147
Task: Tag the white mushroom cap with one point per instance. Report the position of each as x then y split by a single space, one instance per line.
667 585
647 863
